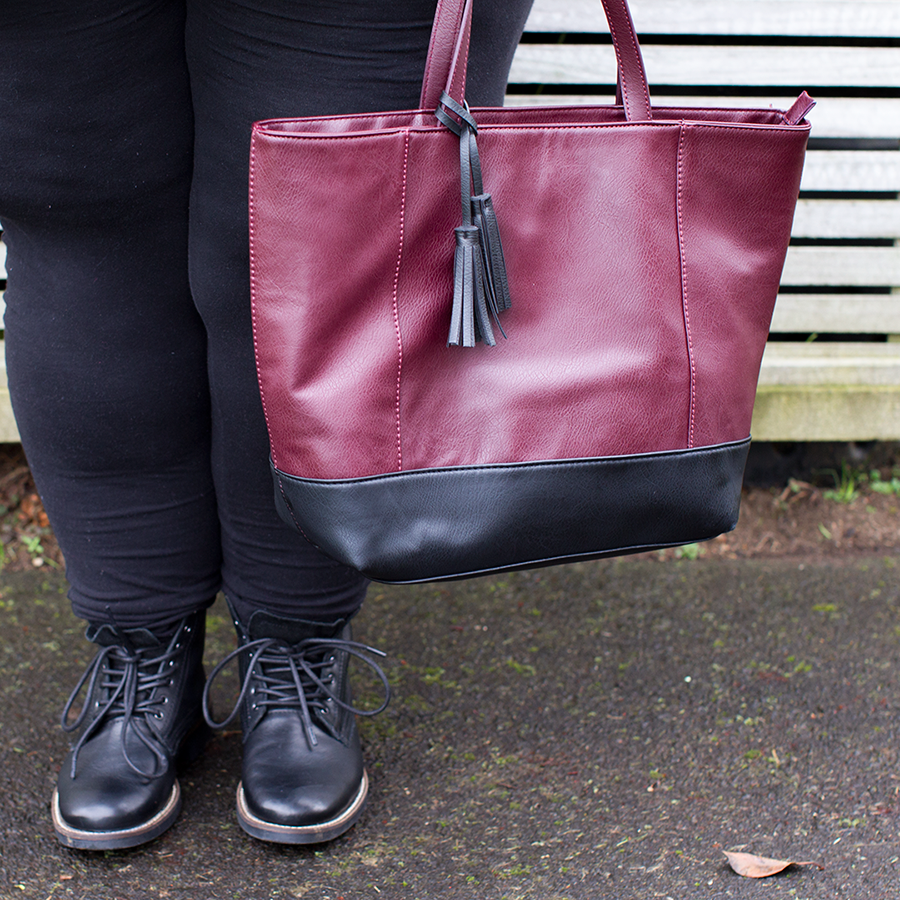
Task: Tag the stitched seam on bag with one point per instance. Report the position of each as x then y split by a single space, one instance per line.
398 120
443 132
396 291
290 510
679 212
253 280
543 464
785 132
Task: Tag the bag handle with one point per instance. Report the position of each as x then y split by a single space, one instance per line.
444 50
448 56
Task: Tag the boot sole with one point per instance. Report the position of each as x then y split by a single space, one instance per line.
302 834
193 746
117 840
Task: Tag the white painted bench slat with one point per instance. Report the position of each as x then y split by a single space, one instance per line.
861 18
837 412
8 431
847 219
828 392
836 314
867 67
786 364
851 170
842 266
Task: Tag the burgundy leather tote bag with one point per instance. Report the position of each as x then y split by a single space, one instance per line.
490 339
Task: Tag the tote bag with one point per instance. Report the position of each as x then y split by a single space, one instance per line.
505 337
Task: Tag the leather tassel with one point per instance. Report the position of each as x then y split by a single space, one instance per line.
485 219
480 283
469 319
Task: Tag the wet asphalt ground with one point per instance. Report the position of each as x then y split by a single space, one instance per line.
601 730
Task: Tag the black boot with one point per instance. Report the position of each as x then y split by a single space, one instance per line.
142 716
303 779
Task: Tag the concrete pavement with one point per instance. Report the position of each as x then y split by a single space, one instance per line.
601 730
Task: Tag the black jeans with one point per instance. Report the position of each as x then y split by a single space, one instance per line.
124 135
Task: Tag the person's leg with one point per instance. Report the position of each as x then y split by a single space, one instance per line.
105 351
303 778
106 362
254 59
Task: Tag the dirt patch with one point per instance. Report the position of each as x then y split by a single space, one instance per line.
827 501
823 500
802 519
26 538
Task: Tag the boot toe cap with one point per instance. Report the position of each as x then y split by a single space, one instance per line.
110 818
289 785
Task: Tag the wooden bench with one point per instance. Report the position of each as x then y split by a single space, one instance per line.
831 370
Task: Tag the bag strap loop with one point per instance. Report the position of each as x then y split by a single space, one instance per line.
448 56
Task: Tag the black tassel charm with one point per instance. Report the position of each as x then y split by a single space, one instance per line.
480 283
469 321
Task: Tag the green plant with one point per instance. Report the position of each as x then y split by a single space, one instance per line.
689 551
521 668
847 484
885 486
33 544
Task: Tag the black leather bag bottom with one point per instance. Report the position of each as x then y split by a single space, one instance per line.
438 524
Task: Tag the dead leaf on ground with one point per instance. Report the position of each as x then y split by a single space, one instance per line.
751 866
33 510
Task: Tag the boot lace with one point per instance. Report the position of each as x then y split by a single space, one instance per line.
297 677
127 678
